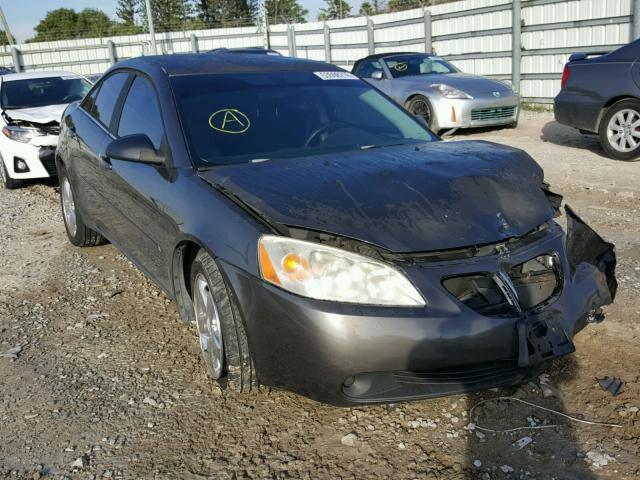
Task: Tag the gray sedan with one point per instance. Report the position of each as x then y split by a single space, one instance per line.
432 88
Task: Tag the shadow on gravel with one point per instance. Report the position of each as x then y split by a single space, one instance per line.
528 453
564 136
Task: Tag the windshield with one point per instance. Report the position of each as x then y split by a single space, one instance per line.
405 65
40 92
257 117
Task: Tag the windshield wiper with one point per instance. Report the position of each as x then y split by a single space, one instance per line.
384 145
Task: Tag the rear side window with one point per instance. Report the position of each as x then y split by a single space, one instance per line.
105 102
141 114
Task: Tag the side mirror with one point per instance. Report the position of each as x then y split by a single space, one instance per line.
377 75
134 148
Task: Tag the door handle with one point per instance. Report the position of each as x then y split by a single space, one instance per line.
104 162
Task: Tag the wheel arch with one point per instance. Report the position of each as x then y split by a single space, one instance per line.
184 253
611 103
413 94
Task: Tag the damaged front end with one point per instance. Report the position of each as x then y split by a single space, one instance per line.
43 137
509 308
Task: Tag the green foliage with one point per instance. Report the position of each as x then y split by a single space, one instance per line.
58 24
3 38
285 11
335 9
93 23
168 15
372 7
126 11
223 12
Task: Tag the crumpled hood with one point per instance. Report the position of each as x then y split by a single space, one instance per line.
472 84
48 114
433 196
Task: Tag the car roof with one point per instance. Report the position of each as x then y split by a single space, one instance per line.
253 50
378 56
223 63
9 77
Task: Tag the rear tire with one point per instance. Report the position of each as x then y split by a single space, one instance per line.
79 234
421 107
223 338
8 182
620 130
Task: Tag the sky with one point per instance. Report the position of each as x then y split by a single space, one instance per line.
23 15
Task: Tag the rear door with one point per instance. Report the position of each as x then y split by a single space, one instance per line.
91 124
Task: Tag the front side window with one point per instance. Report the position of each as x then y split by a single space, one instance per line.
41 92
407 65
105 103
141 114
256 117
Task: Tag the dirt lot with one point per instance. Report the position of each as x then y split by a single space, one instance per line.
108 384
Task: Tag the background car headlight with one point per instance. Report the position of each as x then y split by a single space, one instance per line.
328 273
20 134
450 92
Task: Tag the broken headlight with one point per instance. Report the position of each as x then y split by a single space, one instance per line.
21 134
328 273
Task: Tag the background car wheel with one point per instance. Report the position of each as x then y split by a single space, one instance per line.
223 339
620 130
79 234
8 182
420 107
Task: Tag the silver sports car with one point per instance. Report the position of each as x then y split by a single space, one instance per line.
430 87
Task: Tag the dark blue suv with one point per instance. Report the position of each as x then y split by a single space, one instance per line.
600 95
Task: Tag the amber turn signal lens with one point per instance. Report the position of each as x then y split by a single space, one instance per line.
266 267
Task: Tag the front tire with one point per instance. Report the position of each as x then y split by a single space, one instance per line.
421 107
223 339
8 182
78 233
620 130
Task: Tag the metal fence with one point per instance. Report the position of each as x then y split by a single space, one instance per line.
479 36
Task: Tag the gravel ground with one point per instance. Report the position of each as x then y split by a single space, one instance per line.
98 379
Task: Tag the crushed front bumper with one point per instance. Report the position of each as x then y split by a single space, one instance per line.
348 354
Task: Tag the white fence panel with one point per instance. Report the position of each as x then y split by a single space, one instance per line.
474 34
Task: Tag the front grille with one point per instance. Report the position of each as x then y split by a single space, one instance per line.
51 128
492 113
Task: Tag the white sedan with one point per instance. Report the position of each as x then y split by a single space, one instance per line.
31 106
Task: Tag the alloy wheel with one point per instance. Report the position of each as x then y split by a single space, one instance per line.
208 324
623 131
420 108
69 207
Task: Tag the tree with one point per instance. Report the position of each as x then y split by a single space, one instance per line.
373 7
58 24
289 11
223 12
168 15
126 11
3 38
335 9
92 23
